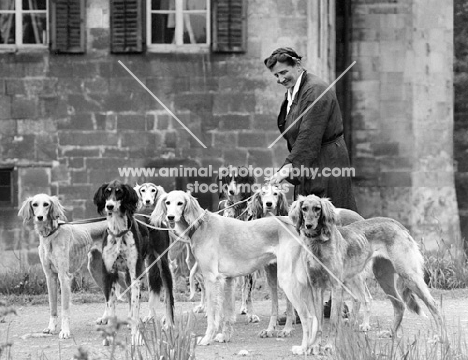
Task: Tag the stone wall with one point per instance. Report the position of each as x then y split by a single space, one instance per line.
403 115
68 123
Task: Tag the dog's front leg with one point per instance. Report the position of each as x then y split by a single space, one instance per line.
65 279
272 279
52 283
335 317
51 280
229 311
212 309
135 316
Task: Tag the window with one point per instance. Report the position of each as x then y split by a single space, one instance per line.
23 23
6 187
178 23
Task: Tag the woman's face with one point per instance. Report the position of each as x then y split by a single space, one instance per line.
286 74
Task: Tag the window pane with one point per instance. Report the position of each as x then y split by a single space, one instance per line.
5 177
195 5
162 28
162 4
7 5
7 29
5 194
34 29
194 28
34 4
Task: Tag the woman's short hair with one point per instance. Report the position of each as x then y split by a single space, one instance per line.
283 55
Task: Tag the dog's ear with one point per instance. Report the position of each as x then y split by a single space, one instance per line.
283 206
57 211
130 199
99 198
327 219
26 211
256 205
159 213
295 213
160 192
192 209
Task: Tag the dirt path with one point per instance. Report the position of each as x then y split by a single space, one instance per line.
25 329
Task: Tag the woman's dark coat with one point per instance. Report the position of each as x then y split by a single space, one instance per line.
316 141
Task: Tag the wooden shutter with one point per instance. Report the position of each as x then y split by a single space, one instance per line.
68 26
229 25
126 26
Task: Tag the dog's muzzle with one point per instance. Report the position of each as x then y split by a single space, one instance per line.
171 221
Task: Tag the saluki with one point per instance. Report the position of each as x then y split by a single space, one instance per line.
124 248
236 187
148 194
159 240
271 200
224 249
382 243
63 250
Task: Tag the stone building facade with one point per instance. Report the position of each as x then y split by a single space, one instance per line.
68 122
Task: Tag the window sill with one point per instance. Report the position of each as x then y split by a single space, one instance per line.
23 49
182 49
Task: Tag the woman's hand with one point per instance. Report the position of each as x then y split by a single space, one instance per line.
280 175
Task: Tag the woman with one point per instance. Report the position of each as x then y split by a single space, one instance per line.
314 138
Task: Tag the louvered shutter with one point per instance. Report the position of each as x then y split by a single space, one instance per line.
229 25
68 26
126 26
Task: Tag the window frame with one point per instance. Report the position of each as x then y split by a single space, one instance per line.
13 181
18 13
179 45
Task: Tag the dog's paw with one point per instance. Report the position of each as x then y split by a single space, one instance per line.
315 349
299 350
221 338
48 331
364 327
101 321
285 333
267 333
204 341
252 318
64 334
243 310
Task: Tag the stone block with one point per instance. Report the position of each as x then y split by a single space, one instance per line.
115 152
53 107
76 162
5 107
80 121
35 177
138 140
235 158
76 192
260 157
60 174
225 139
46 147
79 177
234 122
79 152
15 147
382 149
97 84
83 138
135 122
252 139
15 87
23 108
8 127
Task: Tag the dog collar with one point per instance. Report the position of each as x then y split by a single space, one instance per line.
194 227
